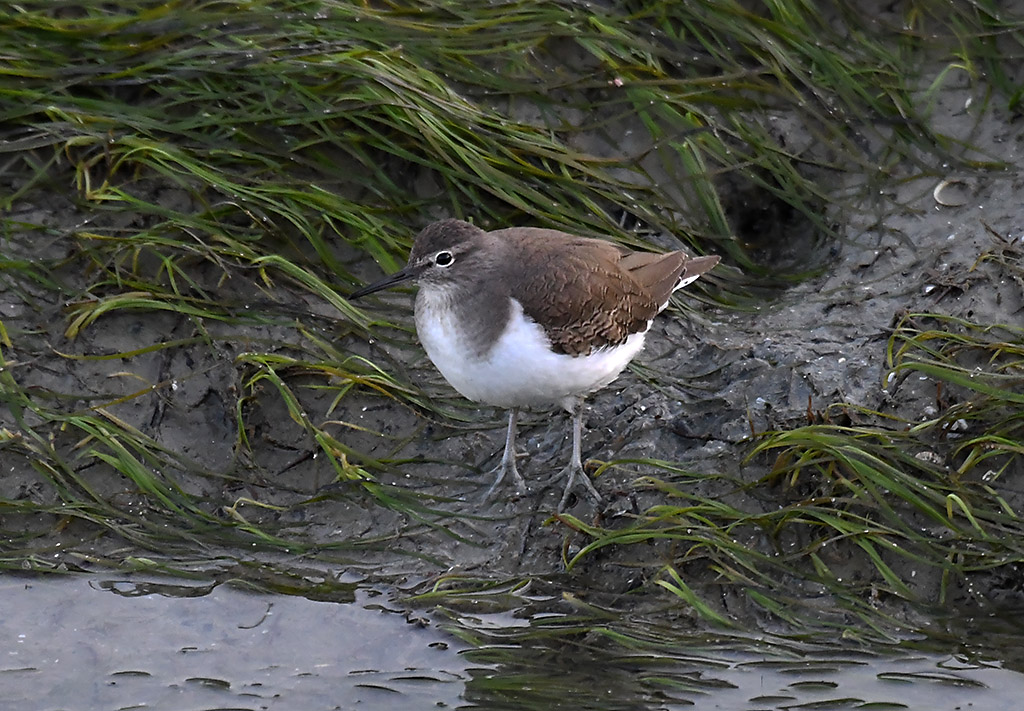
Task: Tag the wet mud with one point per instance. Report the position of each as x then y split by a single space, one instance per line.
709 379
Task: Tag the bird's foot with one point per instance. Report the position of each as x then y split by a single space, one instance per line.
507 468
575 474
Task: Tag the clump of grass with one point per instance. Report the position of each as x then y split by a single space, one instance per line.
305 117
979 374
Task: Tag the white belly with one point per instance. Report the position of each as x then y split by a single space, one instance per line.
520 370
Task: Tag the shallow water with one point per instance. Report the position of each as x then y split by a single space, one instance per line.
94 643
115 643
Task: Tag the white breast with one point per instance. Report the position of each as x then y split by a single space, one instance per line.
520 369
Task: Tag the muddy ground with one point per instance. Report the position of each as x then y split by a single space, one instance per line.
710 375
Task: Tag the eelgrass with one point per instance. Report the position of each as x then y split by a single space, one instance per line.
927 493
268 144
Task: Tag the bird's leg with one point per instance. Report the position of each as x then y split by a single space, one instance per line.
508 459
575 469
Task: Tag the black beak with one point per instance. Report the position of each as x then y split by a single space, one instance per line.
387 282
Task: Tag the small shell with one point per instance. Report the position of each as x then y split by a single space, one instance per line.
946 197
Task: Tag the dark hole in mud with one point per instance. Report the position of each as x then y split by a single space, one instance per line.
779 238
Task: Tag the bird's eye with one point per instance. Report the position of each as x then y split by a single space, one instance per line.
444 259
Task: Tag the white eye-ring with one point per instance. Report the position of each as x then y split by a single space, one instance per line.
444 259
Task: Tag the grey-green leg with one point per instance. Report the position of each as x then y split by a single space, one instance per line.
508 459
575 469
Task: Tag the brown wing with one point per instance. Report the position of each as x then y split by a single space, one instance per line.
661 274
582 291
658 273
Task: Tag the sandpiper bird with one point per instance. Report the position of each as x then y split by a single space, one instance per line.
526 317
